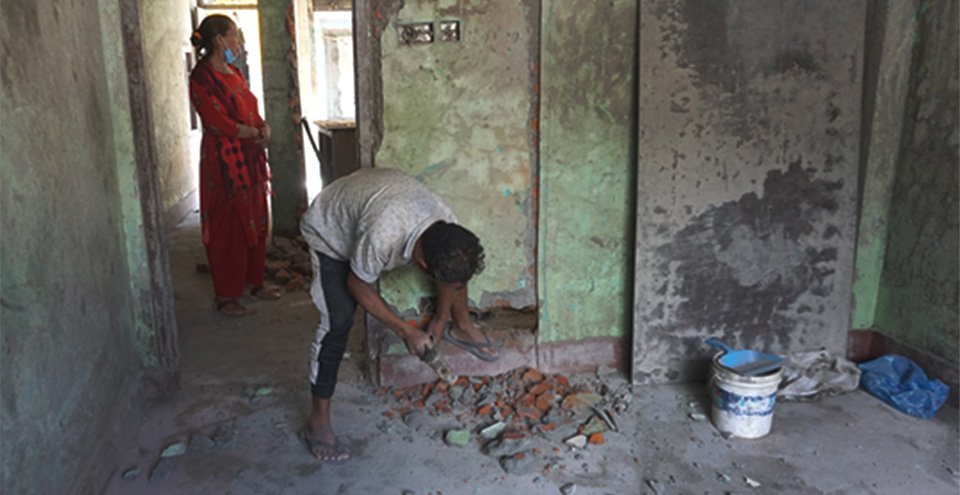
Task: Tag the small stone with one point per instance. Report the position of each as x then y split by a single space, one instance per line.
579 401
131 473
594 425
173 450
201 442
698 416
408 492
262 391
457 438
493 431
568 489
577 441
455 393
656 486
723 477
162 471
751 482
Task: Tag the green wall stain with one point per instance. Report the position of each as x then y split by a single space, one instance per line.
455 117
586 169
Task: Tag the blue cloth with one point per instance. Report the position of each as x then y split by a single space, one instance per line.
899 382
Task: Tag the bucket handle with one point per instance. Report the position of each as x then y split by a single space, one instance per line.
712 342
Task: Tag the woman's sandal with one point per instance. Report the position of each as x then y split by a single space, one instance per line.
267 293
232 307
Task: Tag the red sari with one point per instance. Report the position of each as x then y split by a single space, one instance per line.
234 180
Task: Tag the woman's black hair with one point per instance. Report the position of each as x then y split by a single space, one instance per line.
453 254
212 26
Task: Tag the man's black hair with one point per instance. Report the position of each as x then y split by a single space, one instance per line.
452 253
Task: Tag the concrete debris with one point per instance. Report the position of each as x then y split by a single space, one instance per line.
577 441
161 471
594 425
457 438
493 431
506 409
568 489
131 473
174 449
698 416
723 477
751 482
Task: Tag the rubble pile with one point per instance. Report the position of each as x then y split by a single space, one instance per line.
288 263
516 416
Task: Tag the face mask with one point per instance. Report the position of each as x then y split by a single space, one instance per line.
228 54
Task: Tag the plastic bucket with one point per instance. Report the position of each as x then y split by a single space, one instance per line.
743 405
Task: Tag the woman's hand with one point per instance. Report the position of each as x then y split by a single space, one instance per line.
263 135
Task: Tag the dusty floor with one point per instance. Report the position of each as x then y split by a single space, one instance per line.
244 396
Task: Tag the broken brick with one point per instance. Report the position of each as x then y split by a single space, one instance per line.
562 380
484 410
528 412
596 439
545 402
532 375
540 388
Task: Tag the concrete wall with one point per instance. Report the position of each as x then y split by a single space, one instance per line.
68 361
281 104
587 172
458 116
748 153
888 58
918 293
166 34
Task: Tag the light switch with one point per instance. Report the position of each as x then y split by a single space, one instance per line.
449 30
415 33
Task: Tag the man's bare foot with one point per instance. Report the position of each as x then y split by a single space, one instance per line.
322 443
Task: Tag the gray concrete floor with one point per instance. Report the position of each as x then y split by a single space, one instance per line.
849 444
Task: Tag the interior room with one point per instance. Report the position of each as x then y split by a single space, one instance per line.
643 175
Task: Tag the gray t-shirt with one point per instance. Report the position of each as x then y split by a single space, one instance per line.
372 217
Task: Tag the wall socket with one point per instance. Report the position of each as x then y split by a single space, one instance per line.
415 33
449 30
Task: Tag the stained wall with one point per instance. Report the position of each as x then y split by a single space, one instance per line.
68 360
918 295
749 121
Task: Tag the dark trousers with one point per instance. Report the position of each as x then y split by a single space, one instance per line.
340 308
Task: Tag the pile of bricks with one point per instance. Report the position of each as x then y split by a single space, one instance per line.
288 263
503 412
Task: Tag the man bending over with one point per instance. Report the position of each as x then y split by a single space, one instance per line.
358 227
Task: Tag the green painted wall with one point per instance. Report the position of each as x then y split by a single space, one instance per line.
67 352
166 34
920 284
457 115
587 176
891 28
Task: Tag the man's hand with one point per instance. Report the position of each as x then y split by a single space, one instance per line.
418 342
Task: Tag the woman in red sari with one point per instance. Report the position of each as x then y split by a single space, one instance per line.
234 177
